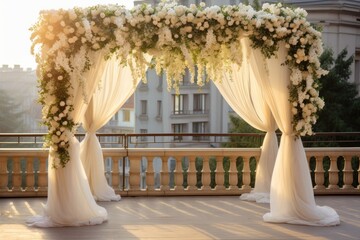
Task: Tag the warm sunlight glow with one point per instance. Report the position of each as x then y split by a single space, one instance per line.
17 16
165 231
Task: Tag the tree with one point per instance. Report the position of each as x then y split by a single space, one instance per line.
238 125
342 103
10 118
255 4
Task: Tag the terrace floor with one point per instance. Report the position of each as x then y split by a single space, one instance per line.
201 217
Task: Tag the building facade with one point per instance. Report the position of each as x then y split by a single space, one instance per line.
194 110
339 19
21 88
340 22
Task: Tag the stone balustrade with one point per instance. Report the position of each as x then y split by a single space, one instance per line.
180 171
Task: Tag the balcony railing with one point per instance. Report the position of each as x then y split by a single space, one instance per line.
179 171
189 112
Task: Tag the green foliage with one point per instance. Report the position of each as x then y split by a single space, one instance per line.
342 104
256 5
238 125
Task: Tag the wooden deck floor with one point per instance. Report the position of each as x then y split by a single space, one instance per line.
180 218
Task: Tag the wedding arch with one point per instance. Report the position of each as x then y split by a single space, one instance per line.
265 63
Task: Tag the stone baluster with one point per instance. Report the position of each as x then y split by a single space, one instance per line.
191 176
348 173
333 173
205 174
219 174
164 175
134 178
4 175
42 175
115 174
233 174
30 175
178 175
319 173
150 178
16 175
246 173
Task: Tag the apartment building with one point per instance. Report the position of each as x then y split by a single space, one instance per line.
20 86
340 22
194 110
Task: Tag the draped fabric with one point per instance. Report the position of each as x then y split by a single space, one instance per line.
260 101
291 194
116 87
70 202
244 95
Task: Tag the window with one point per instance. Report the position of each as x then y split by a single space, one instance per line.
143 107
185 80
143 131
178 128
161 80
159 108
115 117
179 103
200 127
126 115
199 103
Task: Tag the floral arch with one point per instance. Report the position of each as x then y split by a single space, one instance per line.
273 53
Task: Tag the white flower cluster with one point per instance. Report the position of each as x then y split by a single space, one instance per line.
205 40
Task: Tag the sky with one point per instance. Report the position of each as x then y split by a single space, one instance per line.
17 16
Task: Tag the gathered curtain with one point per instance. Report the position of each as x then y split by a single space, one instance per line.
70 201
116 87
244 95
291 194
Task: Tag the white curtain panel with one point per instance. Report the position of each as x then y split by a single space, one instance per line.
70 202
291 195
244 95
116 87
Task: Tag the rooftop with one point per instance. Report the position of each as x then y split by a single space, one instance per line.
202 217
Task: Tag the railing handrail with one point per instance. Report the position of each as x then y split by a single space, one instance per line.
352 138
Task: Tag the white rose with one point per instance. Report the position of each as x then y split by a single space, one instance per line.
54 109
55 139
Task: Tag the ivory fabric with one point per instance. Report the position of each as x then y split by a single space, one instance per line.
291 194
69 201
116 87
244 95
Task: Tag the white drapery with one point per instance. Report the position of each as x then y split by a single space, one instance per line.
70 202
116 87
291 195
244 95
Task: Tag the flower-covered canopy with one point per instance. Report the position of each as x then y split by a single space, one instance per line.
205 39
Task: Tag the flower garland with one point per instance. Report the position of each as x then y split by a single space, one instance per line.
178 38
